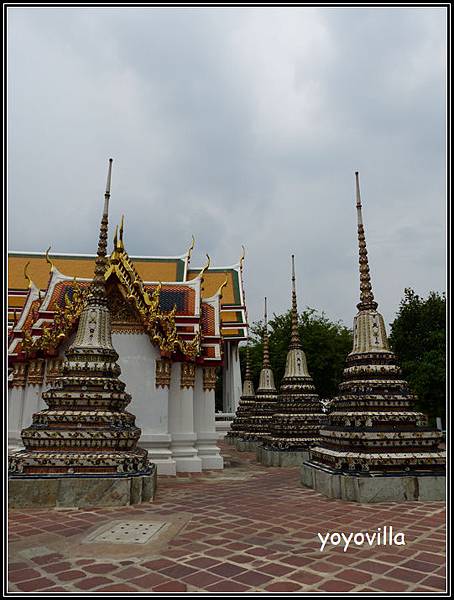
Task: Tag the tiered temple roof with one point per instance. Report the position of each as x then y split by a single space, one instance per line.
175 273
187 318
85 430
258 424
372 426
296 423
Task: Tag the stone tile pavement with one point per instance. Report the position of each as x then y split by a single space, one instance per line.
248 528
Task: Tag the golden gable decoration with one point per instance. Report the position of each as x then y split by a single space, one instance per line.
163 373
160 326
36 372
209 378
54 366
187 375
65 317
19 377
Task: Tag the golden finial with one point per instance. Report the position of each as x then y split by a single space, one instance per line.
115 240
242 257
222 286
202 272
49 262
120 244
191 248
26 275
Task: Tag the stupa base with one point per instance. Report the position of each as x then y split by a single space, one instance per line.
280 458
69 491
374 488
245 445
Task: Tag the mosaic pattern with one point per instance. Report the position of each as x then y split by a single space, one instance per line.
239 426
296 424
208 320
372 427
258 425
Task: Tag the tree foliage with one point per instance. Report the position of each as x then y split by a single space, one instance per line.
418 337
326 345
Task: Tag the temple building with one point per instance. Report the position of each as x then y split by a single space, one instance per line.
239 425
82 451
375 446
295 426
258 423
173 327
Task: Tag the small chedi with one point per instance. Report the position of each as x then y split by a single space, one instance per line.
239 426
82 450
295 426
375 446
257 426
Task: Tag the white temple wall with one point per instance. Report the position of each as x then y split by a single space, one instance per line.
181 424
137 360
177 423
205 425
32 403
231 377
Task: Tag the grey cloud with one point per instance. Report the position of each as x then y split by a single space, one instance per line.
240 126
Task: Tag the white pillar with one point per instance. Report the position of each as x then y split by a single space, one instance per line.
231 377
205 423
181 424
149 404
16 397
32 401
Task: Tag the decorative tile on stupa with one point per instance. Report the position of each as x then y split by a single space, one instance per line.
372 427
239 425
258 424
295 426
85 431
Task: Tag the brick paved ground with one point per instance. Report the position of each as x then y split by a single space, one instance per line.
244 529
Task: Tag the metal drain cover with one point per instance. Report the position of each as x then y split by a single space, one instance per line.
125 532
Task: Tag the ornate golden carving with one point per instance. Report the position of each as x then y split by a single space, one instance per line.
209 378
163 373
160 326
36 372
187 375
54 366
120 310
49 262
19 375
64 319
26 274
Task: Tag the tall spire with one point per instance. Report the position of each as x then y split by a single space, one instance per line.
266 344
98 289
248 373
295 342
366 295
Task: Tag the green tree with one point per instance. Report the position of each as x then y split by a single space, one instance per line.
325 343
418 337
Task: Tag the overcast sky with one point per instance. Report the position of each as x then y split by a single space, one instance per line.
240 126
